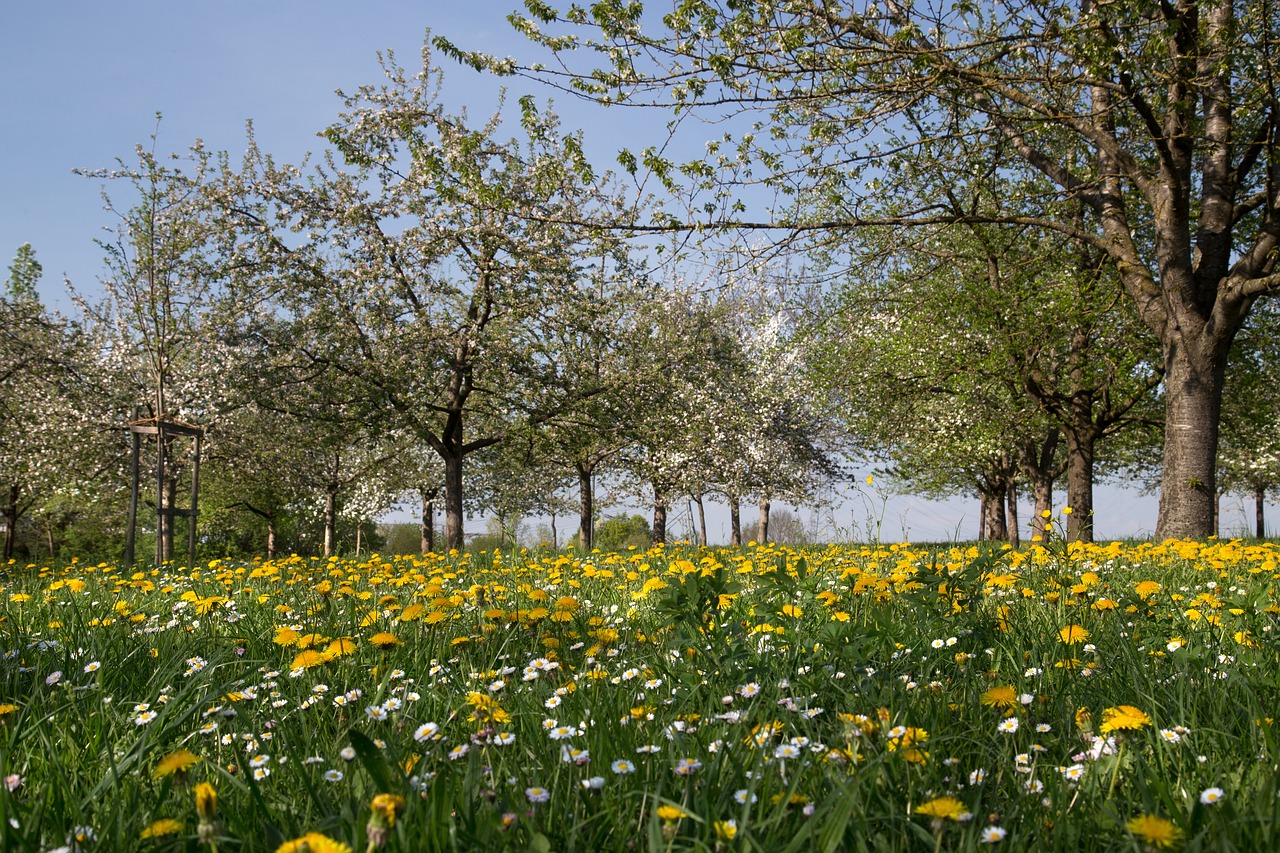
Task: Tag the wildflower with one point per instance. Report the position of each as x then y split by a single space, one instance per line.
622 767
313 842
144 718
999 697
54 678
93 666
425 732
1008 726
726 830
537 794
385 808
1210 796
1123 718
992 834
347 754
1155 830
742 795
164 826
307 659
1073 634
671 813
178 762
260 773
687 766
942 808
458 751
333 776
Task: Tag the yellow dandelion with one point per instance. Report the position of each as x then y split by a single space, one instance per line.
1000 696
206 801
669 812
384 640
1073 634
307 659
1123 718
339 647
1155 830
306 641
1146 589
313 842
792 611
389 806
164 826
179 762
943 808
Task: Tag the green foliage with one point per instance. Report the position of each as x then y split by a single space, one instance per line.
620 532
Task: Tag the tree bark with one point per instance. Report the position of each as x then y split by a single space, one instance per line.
762 526
1259 521
586 508
330 518
1080 456
11 521
659 516
555 539
271 539
1014 534
735 521
702 520
1038 465
453 531
994 523
1193 404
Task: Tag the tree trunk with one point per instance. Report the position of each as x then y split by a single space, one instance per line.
762 526
735 521
1193 404
586 508
453 532
1259 521
1217 513
702 520
1038 465
995 526
271 539
427 521
659 517
330 518
1014 534
555 538
983 511
11 521
1080 452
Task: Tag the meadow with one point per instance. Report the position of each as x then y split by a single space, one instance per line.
898 697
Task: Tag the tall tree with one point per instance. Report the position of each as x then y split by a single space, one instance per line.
1160 119
433 259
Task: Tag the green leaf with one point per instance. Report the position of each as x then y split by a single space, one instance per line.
373 760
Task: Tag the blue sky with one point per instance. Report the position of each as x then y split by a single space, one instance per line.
84 80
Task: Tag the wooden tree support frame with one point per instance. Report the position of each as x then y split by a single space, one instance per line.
162 429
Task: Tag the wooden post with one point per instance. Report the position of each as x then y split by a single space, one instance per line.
135 470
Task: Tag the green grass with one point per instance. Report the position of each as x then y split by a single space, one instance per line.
763 686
